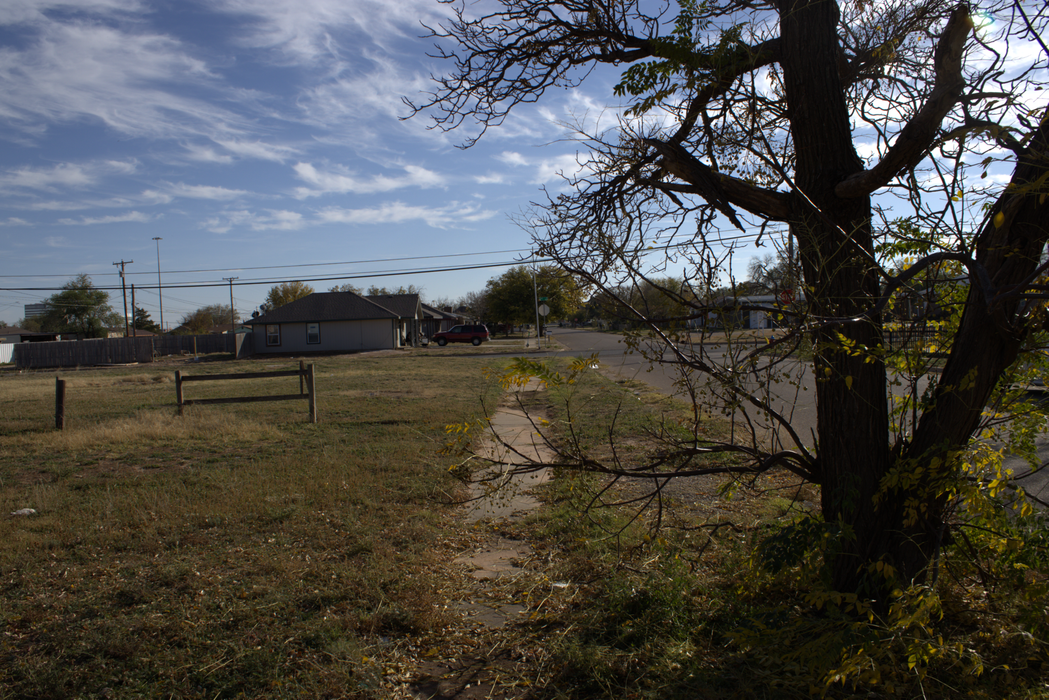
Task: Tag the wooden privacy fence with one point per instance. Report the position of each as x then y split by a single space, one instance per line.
115 351
307 388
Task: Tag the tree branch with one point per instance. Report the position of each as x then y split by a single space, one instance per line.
917 136
721 191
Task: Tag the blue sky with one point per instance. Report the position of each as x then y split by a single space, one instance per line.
259 139
262 140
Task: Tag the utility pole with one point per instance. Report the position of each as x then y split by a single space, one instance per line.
535 292
232 313
160 287
134 329
123 290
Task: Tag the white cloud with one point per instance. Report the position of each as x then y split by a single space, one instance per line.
280 220
33 11
454 214
258 150
63 175
14 221
305 30
512 158
180 189
133 216
345 181
204 154
80 70
545 169
490 179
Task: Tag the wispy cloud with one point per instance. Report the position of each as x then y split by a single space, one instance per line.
205 154
258 150
280 220
172 190
304 31
341 180
133 216
63 175
455 214
33 11
544 169
130 82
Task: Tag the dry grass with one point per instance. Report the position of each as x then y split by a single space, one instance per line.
237 551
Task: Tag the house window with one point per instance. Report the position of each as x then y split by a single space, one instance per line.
313 333
273 334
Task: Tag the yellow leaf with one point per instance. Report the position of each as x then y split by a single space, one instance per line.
999 219
848 383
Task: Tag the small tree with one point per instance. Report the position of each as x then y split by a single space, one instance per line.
286 292
143 322
346 288
204 319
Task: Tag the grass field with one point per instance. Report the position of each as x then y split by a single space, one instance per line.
238 551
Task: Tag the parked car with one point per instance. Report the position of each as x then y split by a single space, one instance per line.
476 334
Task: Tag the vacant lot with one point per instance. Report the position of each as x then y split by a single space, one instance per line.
236 551
241 551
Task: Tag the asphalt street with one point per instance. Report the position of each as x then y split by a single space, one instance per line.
798 403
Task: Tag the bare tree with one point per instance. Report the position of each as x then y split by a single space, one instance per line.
752 114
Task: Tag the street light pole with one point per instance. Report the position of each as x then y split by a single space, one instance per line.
160 289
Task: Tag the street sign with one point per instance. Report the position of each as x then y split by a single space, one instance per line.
544 310
543 298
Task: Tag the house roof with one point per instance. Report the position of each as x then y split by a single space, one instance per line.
404 305
437 313
14 330
325 306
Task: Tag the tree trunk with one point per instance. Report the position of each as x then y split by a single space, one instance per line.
989 339
836 248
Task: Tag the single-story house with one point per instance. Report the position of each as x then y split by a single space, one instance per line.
12 334
409 310
753 311
337 322
435 320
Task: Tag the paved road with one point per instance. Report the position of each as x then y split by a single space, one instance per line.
798 404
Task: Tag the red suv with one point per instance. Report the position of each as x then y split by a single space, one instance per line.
461 334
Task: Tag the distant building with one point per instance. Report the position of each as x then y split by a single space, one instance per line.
34 310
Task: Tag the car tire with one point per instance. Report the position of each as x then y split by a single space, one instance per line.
442 341
476 341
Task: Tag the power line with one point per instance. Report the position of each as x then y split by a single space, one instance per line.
284 267
271 281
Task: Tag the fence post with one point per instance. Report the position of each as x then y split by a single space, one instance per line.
302 376
60 403
178 390
312 387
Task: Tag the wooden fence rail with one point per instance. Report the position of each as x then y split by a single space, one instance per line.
307 389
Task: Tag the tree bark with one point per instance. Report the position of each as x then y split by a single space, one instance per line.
836 247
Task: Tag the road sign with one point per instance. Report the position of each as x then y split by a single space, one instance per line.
543 298
544 310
